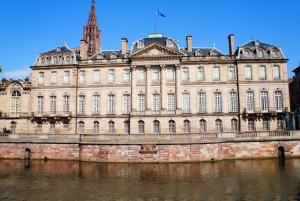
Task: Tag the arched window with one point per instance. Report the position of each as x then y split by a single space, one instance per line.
13 126
172 127
52 127
202 126
96 129
186 126
251 124
15 103
234 125
111 127
260 54
274 53
126 127
218 125
55 60
140 44
141 127
39 128
280 123
266 124
169 43
156 127
81 127
247 54
65 128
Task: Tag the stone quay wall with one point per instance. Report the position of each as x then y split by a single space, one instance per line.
150 153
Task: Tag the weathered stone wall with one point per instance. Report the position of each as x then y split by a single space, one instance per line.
151 153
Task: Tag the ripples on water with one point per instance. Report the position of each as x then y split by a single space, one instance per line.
225 180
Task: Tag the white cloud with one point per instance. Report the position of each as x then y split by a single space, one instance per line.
16 74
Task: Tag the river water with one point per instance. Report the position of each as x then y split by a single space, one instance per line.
226 180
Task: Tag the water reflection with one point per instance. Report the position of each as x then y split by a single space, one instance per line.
226 180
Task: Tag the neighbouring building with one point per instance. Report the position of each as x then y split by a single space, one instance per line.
294 85
155 87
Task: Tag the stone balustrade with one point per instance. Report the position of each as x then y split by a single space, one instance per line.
151 138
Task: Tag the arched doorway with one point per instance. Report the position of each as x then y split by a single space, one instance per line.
281 152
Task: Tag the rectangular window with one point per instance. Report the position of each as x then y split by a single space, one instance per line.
251 125
53 78
126 104
141 102
41 78
96 76
66 104
52 104
186 103
171 102
231 73
126 127
111 75
185 74
155 74
216 73
39 129
262 73
170 74
126 75
266 124
202 102
81 105
52 128
278 101
200 74
248 73
276 73
156 103
233 101
250 101
96 104
40 104
65 128
217 102
111 104
141 74
264 101
67 77
81 77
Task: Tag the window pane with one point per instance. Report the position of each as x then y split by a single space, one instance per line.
186 102
248 73
111 75
185 74
171 102
170 74
276 73
217 102
202 102
250 101
264 100
216 73
262 72
200 74
96 76
126 75
231 73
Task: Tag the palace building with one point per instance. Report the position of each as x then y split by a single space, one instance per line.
153 87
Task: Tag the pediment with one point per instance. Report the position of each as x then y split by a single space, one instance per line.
154 51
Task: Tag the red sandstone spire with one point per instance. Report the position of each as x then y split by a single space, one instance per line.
91 32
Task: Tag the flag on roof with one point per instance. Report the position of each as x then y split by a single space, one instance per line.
159 13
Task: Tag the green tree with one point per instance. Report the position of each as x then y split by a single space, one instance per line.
0 69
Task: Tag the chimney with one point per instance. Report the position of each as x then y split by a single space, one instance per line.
231 44
83 49
124 44
189 44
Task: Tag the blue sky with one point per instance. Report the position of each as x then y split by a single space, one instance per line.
33 26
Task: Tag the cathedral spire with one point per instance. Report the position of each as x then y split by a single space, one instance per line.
91 32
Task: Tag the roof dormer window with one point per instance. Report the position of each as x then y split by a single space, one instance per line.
55 60
198 53
247 54
169 43
113 55
260 54
140 44
68 59
274 53
213 53
43 60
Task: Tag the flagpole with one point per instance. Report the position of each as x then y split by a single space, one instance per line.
155 21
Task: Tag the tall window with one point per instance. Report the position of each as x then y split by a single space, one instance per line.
40 104
15 103
52 128
172 127
156 103
141 127
39 128
186 102
248 73
155 74
170 74
231 73
278 100
156 127
111 127
81 77
200 74
141 102
67 77
141 74
251 125
218 125
41 78
250 101
186 126
52 104
81 127
276 73
96 76
216 73
96 128
65 128
266 124
96 104
66 104
262 72
126 104
171 102
53 78
126 75
234 125
233 105
217 102
202 126
81 104
126 127
264 100
13 127
111 103
280 124
202 102
185 74
111 75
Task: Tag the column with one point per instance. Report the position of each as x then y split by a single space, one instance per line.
178 89
163 88
133 89
148 88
